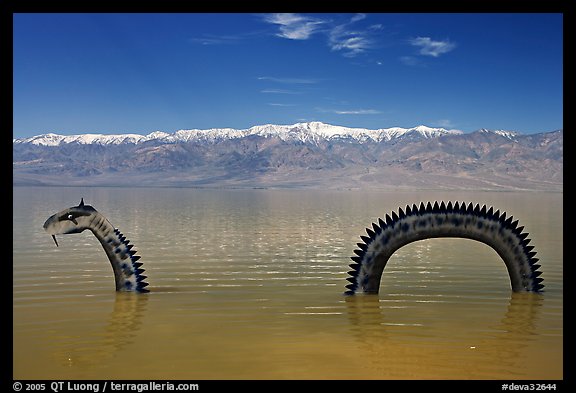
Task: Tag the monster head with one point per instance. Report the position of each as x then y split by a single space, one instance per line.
72 220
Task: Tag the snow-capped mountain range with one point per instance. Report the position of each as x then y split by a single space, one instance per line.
303 132
300 155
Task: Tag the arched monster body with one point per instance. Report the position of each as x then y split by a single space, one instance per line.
451 220
127 270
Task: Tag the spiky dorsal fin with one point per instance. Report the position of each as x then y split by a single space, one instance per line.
81 202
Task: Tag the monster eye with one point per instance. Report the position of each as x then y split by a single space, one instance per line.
71 218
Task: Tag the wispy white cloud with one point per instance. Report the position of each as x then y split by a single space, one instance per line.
429 47
279 104
410 60
446 123
301 81
294 26
350 111
350 41
279 91
357 17
341 37
215 39
358 112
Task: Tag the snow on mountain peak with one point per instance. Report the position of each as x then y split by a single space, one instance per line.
314 131
503 133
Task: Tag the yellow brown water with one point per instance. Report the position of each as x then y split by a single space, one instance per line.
247 284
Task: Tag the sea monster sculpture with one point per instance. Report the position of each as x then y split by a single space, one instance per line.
416 223
444 220
127 270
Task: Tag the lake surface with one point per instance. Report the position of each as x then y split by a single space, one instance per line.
248 284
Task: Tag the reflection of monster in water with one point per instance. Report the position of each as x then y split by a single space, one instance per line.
444 220
419 350
95 347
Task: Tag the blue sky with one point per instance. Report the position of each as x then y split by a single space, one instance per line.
138 73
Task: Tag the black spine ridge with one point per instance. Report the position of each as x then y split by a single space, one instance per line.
477 210
483 211
514 225
490 213
366 239
382 224
389 221
497 215
401 213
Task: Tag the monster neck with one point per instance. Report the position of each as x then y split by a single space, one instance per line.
127 270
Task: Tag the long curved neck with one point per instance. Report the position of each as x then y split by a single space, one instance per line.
457 221
127 270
